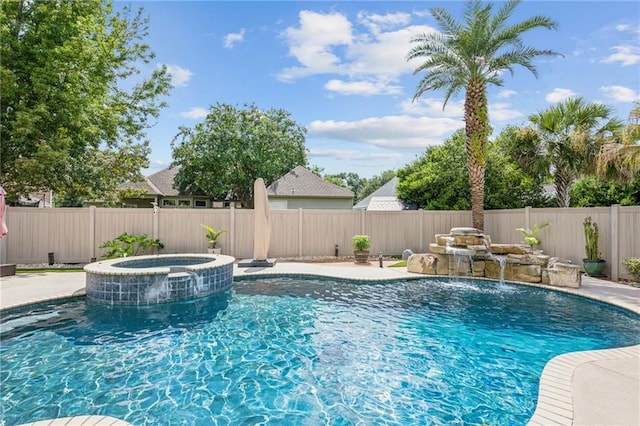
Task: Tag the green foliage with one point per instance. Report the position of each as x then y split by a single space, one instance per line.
233 147
212 234
591 235
125 245
439 181
591 191
530 236
571 134
350 181
633 266
361 242
74 107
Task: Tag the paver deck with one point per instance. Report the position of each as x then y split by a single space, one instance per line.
579 388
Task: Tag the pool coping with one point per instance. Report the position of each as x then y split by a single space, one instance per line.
562 383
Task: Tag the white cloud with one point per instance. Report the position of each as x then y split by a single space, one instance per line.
362 87
620 93
179 76
331 44
506 93
627 28
311 43
433 107
233 38
627 55
403 133
502 112
377 23
351 155
194 113
558 95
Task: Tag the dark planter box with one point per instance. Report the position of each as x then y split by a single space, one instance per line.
594 268
7 269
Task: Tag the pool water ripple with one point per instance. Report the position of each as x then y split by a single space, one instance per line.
303 351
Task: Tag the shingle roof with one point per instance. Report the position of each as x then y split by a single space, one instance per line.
386 190
159 183
300 182
384 199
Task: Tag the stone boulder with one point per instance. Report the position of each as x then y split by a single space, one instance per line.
563 275
510 249
514 272
422 264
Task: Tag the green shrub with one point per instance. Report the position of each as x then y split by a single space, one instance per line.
530 236
361 242
633 266
125 245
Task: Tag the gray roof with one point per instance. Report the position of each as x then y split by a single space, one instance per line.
384 199
301 182
159 183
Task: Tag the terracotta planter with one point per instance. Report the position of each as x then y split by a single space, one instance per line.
594 268
361 256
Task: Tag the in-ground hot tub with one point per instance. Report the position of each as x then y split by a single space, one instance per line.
146 280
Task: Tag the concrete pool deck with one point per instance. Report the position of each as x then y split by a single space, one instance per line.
579 388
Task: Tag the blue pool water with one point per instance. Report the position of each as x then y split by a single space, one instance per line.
287 351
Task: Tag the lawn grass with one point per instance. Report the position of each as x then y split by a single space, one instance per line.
402 263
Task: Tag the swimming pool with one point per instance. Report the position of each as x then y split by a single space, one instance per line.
303 351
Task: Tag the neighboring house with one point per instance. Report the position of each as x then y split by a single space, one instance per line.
36 199
301 188
384 199
159 189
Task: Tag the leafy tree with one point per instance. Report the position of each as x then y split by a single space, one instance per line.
374 183
233 147
470 55
436 182
350 181
621 160
591 191
570 136
74 107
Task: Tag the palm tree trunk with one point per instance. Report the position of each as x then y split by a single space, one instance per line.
477 130
563 181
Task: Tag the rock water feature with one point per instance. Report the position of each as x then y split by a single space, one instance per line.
467 252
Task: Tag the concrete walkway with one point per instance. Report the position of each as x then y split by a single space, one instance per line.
580 388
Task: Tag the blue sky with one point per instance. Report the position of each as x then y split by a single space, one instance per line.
339 69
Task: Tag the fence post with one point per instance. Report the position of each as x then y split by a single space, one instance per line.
156 223
232 230
363 226
421 228
615 227
92 232
527 217
300 214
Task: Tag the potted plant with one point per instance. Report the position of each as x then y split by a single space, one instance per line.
361 245
212 237
593 264
530 236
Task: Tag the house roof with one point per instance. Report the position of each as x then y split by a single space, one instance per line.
301 182
158 183
384 199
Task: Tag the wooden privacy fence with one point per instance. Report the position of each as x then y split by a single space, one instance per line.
74 234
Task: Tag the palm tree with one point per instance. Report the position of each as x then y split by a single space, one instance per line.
572 132
620 161
471 55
